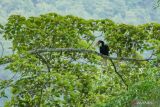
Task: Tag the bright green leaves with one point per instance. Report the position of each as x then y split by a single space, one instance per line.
141 91
3 94
53 30
76 79
27 64
125 40
14 26
5 59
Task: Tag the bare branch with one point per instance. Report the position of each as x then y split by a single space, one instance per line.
44 61
151 55
120 76
8 59
85 51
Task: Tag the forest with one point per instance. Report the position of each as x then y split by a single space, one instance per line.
50 58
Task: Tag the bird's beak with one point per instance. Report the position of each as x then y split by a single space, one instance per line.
97 44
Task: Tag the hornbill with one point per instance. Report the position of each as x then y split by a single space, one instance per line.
104 50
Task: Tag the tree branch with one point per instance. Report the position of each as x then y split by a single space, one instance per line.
44 61
115 69
8 59
38 51
85 51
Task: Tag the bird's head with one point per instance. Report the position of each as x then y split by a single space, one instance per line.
100 43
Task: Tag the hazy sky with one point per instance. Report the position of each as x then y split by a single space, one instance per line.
123 11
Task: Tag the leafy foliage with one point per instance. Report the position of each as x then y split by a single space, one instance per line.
78 79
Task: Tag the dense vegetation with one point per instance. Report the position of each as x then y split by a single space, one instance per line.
69 78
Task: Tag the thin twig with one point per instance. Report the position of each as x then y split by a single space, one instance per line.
115 69
41 93
44 61
2 49
151 55
10 81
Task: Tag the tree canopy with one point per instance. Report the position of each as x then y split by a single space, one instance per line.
71 77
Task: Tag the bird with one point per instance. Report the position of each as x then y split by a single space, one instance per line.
103 48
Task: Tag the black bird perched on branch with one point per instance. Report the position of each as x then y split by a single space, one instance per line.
103 48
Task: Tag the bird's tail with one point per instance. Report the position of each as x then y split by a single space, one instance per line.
104 60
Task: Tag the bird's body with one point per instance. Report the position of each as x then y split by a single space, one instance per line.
104 49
